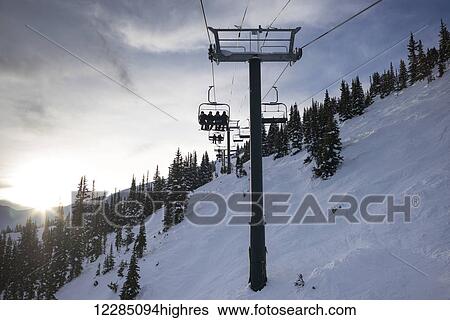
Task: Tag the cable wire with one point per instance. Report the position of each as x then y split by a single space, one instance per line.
275 19
237 42
341 24
210 43
363 64
321 36
98 70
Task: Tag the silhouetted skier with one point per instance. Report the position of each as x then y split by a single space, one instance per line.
217 120
214 139
202 120
209 121
224 120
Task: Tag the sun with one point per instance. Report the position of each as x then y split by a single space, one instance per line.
40 184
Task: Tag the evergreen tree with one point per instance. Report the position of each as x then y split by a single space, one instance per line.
272 137
444 48
429 65
265 146
422 63
294 129
108 263
176 200
413 60
140 244
118 239
129 236
345 102
357 99
281 143
131 287
328 155
403 76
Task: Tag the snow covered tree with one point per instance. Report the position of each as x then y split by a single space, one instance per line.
108 263
131 287
176 199
118 239
140 245
129 236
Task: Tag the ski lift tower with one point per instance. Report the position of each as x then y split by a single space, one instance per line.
255 46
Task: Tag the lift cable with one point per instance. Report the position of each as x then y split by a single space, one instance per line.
321 36
239 35
275 19
90 65
364 64
210 43
278 15
341 24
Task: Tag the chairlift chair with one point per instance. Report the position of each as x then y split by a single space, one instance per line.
237 138
217 134
213 107
274 111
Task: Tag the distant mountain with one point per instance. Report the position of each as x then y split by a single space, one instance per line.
12 205
12 214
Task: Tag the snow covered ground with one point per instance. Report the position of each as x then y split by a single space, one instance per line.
400 146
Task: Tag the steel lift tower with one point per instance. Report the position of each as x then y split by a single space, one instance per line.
255 46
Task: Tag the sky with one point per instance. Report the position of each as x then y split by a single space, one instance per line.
61 120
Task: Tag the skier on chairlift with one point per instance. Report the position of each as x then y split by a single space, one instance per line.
214 139
209 121
217 121
220 138
202 120
224 120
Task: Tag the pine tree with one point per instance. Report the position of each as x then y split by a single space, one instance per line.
428 68
272 137
122 265
413 60
294 129
328 156
129 236
281 143
140 244
403 76
444 48
108 263
131 287
265 146
345 102
118 239
159 186
176 200
422 63
357 98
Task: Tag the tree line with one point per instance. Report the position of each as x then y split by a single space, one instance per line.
317 129
36 266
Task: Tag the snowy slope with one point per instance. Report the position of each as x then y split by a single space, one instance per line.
399 146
